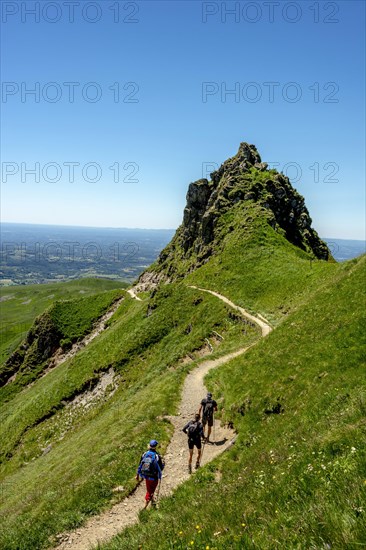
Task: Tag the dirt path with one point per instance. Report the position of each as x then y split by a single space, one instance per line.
132 293
103 527
260 320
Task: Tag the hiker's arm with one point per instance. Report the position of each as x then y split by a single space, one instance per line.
161 463
185 428
138 470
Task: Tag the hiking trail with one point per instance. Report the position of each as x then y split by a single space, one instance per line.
102 528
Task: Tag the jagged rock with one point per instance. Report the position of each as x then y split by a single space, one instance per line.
238 179
261 166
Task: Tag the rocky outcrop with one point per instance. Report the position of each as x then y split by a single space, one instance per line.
243 179
41 342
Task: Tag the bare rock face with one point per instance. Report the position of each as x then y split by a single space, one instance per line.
240 179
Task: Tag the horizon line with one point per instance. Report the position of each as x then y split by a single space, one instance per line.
134 228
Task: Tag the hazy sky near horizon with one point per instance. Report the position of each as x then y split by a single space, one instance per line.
111 108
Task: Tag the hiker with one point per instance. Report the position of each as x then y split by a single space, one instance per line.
194 430
208 407
150 469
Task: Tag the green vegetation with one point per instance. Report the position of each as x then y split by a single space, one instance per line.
47 492
296 476
20 305
258 269
62 324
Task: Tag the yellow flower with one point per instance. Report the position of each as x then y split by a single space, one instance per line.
197 526
207 548
181 532
243 524
192 542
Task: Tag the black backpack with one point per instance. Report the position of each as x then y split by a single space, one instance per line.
149 464
193 430
208 410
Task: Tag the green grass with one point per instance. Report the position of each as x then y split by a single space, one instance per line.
257 268
20 305
62 324
296 479
97 449
292 480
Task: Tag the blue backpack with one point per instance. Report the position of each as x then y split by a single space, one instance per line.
149 466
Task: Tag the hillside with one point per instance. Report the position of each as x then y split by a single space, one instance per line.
240 193
20 305
295 477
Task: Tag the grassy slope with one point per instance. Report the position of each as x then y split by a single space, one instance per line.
296 479
20 305
64 322
257 268
44 494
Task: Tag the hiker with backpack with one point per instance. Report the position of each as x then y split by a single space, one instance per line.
194 430
208 407
150 469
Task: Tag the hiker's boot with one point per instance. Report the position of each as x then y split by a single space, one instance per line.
153 503
197 465
189 468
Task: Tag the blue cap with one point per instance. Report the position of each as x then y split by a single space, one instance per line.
153 443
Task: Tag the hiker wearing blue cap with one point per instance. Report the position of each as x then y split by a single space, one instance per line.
150 469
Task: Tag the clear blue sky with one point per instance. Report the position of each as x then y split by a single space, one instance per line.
176 122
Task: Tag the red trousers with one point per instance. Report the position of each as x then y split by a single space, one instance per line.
151 485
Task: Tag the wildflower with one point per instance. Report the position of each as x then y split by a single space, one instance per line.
181 532
353 449
243 524
192 542
207 547
197 526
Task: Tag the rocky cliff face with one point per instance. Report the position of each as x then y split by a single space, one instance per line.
243 179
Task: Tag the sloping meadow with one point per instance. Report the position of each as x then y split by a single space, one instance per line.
296 476
60 466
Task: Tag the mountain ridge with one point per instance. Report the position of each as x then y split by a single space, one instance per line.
242 181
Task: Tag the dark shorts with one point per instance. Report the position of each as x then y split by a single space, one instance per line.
194 442
208 421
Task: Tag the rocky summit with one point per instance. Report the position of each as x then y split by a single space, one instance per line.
244 182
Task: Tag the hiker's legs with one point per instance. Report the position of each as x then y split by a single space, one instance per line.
190 447
199 449
209 428
151 485
204 422
198 462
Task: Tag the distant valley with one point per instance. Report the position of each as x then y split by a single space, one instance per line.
33 254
